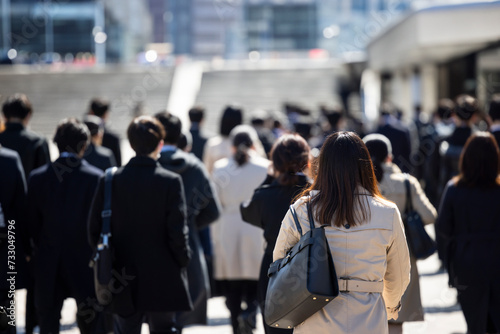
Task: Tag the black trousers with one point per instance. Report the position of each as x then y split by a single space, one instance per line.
235 292
481 307
159 322
89 312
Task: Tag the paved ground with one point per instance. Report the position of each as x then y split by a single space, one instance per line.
442 314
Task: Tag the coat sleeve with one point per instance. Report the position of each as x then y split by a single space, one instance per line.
421 203
42 155
176 220
287 237
445 223
251 211
205 200
34 214
94 224
397 275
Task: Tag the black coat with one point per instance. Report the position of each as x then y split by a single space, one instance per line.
202 209
149 236
267 208
33 149
469 224
112 141
198 143
399 137
59 198
12 201
100 157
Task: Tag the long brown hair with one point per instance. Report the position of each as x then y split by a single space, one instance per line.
343 165
479 162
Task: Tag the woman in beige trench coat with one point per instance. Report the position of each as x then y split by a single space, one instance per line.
392 186
366 239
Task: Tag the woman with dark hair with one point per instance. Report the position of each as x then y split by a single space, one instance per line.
238 246
219 147
391 182
365 235
270 202
469 224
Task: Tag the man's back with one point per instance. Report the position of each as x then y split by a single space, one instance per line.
149 235
100 157
32 149
111 141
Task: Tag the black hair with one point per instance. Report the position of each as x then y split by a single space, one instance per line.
196 114
445 108
172 125
99 107
71 136
17 106
232 117
466 106
93 123
378 153
144 134
242 142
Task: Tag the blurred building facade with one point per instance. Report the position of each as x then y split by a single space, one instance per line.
439 51
52 30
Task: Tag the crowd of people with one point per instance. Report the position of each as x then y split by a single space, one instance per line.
195 217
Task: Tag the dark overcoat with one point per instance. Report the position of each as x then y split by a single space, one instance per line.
100 157
59 199
112 141
149 235
469 224
202 209
12 201
266 210
399 137
32 148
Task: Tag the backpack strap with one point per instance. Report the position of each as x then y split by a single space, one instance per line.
310 214
106 210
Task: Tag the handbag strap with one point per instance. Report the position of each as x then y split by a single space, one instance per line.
409 204
309 212
106 210
296 219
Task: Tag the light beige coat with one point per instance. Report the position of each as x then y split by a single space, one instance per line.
238 246
393 188
374 251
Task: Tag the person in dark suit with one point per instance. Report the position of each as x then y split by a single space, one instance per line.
399 136
149 235
100 108
196 116
12 201
494 113
32 148
59 198
271 201
202 209
95 154
468 223
34 152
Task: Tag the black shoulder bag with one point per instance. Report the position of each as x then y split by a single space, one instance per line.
103 259
420 243
304 281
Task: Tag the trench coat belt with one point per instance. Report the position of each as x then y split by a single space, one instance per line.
354 285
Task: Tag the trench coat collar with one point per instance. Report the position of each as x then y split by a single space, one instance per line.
359 191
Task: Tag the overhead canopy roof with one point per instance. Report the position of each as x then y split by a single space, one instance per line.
436 34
